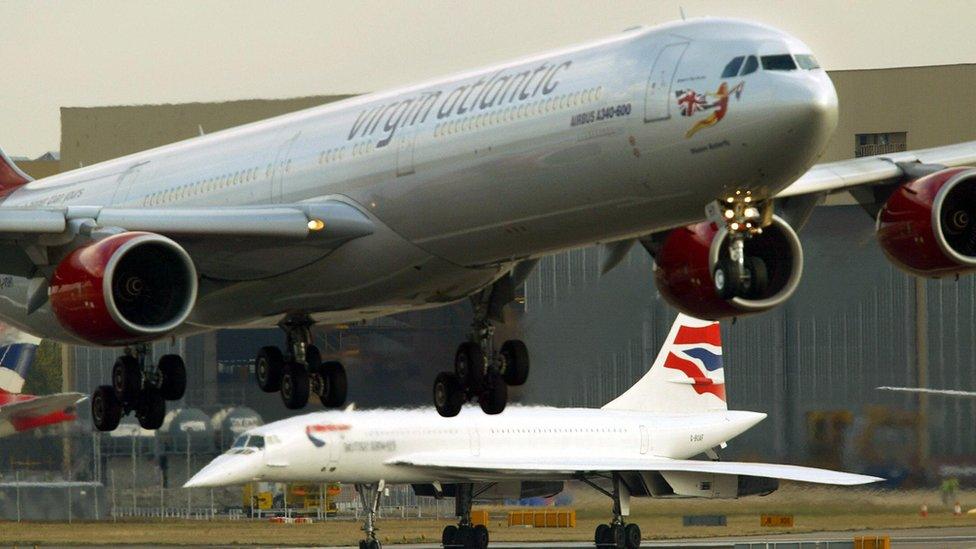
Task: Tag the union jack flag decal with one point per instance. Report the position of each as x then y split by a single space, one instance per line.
690 101
699 354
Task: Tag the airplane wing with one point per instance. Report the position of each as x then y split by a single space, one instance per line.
38 411
947 392
877 170
502 466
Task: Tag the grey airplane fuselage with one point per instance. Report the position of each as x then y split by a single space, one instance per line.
465 176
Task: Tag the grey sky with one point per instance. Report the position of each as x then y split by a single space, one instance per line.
86 53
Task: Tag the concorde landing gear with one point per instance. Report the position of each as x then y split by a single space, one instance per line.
299 370
465 535
617 534
480 371
737 274
139 386
369 496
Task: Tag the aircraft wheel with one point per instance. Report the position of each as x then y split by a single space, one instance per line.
726 279
515 361
173 370
632 536
334 384
373 544
603 537
494 396
469 365
480 535
126 378
758 279
294 386
618 538
448 397
465 537
449 534
268 368
106 408
151 409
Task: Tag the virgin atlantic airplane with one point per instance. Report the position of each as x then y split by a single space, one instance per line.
696 139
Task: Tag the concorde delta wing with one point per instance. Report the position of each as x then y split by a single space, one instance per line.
228 243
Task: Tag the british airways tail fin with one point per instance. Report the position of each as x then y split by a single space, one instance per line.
11 176
15 360
687 375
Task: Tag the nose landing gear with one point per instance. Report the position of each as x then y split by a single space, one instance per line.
139 386
735 273
299 371
617 534
465 535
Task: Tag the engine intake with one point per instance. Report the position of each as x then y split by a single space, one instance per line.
684 265
124 289
928 226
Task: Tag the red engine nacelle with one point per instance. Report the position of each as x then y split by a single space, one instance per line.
684 264
127 288
928 226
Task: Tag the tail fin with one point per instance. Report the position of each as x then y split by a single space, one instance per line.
686 376
11 176
15 360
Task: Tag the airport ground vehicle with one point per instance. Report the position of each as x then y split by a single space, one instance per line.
637 445
694 139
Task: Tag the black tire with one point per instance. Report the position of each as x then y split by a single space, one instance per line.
758 279
313 357
373 544
494 396
335 384
151 409
362 544
448 397
480 537
173 371
618 537
106 408
632 536
726 280
603 536
294 386
515 362
465 537
269 366
449 535
126 378
469 365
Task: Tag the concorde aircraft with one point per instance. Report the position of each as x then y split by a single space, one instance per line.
639 443
681 137
20 412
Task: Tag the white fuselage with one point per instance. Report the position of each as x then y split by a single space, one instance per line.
464 176
360 447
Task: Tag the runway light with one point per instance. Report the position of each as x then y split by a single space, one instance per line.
316 225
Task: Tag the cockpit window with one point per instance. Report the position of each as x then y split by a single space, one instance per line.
240 441
751 65
732 68
807 62
782 62
255 442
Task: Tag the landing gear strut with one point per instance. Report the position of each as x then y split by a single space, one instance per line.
617 534
480 371
737 274
139 386
465 535
369 496
299 371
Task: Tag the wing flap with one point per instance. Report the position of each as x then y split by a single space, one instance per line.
556 465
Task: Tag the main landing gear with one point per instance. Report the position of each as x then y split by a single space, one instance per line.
617 534
369 496
139 386
465 535
299 370
736 274
480 371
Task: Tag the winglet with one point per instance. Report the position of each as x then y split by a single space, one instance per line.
11 176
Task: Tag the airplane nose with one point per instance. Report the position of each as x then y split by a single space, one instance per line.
226 470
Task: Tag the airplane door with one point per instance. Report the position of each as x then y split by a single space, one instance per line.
124 185
657 101
645 440
405 149
281 166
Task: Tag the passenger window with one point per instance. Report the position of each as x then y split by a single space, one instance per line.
782 62
807 62
751 65
733 67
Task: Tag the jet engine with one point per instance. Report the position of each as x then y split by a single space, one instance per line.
928 226
123 289
686 260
